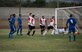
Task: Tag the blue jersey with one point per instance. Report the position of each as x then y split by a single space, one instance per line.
10 21
13 20
72 22
19 20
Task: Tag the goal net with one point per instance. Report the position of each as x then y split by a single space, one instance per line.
62 14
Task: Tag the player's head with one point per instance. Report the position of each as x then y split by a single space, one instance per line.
14 15
53 17
19 15
43 17
71 15
11 16
33 16
30 14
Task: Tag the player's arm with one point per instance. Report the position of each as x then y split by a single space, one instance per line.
40 21
10 20
67 23
75 21
46 23
14 23
18 22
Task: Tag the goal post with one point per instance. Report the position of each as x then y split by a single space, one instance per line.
62 14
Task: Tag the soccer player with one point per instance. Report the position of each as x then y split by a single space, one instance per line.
19 25
32 25
43 24
29 21
62 30
71 22
11 27
13 18
50 26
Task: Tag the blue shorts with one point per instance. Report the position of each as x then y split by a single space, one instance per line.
19 26
72 29
11 28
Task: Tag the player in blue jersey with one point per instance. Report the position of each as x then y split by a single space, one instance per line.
71 22
13 18
10 20
19 25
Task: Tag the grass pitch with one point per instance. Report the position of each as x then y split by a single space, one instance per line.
38 43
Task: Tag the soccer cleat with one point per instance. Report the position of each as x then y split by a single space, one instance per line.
21 34
33 33
53 31
44 33
28 34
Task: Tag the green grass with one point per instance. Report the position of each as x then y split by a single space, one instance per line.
38 43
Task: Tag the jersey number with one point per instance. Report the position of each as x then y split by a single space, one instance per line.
71 21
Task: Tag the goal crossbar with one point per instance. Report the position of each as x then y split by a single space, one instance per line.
56 11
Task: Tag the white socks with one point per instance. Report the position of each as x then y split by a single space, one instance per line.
53 31
44 33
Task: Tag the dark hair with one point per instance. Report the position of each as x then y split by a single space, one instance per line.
42 16
10 15
19 14
71 15
52 16
14 15
33 15
30 13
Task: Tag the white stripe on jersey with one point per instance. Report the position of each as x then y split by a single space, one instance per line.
33 22
29 21
42 22
51 22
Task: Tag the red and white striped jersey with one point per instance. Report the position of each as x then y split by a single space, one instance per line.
33 22
42 21
29 20
51 22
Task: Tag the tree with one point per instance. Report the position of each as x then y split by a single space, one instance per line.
39 3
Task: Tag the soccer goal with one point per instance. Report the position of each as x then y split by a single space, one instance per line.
62 14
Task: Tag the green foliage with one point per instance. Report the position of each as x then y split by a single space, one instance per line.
37 3
8 3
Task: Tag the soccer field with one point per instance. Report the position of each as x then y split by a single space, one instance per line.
38 43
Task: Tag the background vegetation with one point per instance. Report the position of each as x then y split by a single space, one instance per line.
37 3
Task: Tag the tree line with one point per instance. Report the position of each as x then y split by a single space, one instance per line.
37 3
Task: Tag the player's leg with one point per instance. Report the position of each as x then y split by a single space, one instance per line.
33 30
53 30
42 29
74 36
21 30
70 35
48 28
14 28
30 29
18 29
11 32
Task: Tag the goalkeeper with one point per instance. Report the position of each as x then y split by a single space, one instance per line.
71 22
